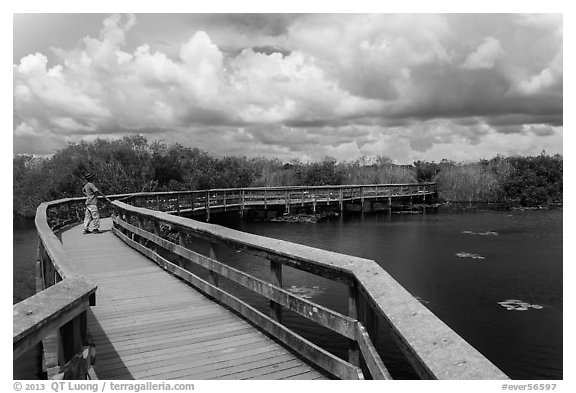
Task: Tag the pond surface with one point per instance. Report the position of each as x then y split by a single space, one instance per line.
495 277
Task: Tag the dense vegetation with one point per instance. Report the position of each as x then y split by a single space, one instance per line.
133 164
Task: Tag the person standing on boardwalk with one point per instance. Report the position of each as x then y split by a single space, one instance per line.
91 214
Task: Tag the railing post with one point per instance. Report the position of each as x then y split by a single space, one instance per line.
314 201
181 260
39 279
224 200
125 216
41 272
212 276
265 200
276 279
287 201
71 339
78 216
140 225
207 204
242 200
341 197
158 233
178 204
353 350
48 271
370 322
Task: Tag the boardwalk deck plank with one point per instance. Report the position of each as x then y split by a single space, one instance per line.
152 332
223 345
189 322
181 336
177 345
256 370
307 375
148 324
159 366
185 356
285 373
179 340
177 371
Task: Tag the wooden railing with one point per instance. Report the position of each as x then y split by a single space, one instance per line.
239 199
374 298
56 314
163 237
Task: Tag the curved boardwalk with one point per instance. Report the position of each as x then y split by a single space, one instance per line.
148 324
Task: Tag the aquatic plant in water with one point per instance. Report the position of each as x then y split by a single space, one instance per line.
304 292
464 254
488 233
518 305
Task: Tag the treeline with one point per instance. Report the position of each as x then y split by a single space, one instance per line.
133 164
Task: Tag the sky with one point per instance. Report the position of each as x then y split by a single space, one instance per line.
293 86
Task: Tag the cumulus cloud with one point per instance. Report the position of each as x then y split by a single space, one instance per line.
304 86
485 55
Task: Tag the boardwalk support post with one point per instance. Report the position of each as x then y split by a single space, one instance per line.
158 233
181 260
353 350
276 280
207 206
213 276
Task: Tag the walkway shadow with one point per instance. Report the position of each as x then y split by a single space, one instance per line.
99 338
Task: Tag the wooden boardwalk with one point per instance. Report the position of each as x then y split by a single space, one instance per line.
148 324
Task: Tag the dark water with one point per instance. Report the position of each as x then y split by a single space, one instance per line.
25 246
522 260
503 256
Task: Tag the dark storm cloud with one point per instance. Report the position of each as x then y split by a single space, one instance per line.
269 49
410 85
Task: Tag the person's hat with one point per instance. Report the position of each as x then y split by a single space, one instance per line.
88 175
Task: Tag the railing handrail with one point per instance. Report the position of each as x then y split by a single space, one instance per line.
61 303
51 243
213 190
325 317
435 350
37 316
277 188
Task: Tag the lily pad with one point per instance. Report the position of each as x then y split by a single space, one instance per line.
487 233
304 292
518 305
464 254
